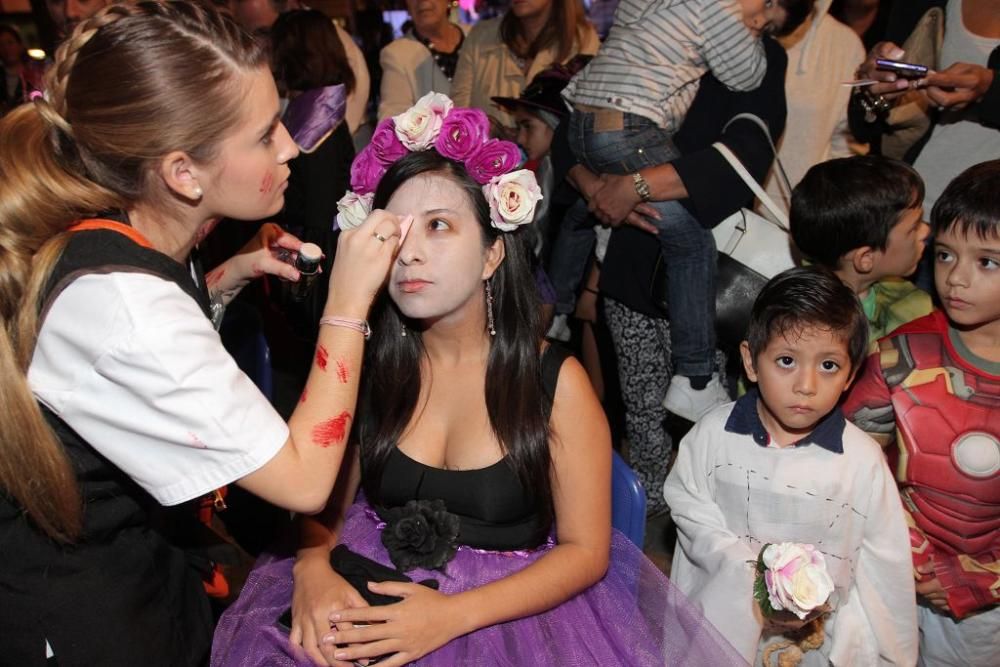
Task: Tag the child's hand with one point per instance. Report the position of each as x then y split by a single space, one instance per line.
931 588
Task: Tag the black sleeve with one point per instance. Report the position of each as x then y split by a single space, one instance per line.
715 191
989 105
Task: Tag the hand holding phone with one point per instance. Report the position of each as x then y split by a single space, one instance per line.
900 68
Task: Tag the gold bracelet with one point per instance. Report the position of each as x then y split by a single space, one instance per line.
348 323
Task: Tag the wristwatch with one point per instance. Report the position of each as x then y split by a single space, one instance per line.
641 186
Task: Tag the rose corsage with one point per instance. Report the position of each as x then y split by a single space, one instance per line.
460 134
791 577
420 534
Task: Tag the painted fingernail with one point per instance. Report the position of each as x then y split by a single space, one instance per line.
334 617
340 655
329 639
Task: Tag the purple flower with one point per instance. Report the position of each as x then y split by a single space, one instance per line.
494 158
366 171
385 145
462 132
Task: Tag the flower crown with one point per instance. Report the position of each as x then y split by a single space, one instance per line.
459 134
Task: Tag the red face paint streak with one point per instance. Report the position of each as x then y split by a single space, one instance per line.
267 183
302 398
214 276
332 431
321 357
196 441
342 371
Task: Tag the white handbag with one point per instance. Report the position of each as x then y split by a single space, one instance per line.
762 244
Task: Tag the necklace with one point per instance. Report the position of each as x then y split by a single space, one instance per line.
446 62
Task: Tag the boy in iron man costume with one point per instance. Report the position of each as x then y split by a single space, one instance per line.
933 389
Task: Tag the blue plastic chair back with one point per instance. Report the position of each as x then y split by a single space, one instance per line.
242 334
628 501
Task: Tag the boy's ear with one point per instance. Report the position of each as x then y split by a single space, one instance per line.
747 356
862 259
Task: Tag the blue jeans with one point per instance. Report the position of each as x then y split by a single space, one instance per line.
570 254
689 255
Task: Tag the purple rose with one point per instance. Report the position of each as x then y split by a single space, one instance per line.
366 171
385 145
494 158
462 132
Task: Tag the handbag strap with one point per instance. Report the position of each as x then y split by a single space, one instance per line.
759 122
780 219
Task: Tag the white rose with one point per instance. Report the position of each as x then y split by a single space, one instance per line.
419 126
512 198
797 579
353 209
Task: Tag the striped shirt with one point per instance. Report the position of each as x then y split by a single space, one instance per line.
657 51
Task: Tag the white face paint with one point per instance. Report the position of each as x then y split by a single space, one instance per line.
442 264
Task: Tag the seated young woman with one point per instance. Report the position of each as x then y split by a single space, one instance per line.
483 457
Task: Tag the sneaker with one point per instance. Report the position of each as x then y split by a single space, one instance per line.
692 404
560 329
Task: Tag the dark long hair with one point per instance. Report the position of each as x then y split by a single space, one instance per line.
565 28
515 400
306 52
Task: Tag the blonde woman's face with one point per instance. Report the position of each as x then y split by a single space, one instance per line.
247 180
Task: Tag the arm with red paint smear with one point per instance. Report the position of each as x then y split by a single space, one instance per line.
427 619
301 475
252 261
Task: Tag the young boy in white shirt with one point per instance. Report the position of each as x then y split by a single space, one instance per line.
781 464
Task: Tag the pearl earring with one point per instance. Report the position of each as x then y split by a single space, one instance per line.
197 192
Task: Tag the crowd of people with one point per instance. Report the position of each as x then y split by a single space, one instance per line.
482 257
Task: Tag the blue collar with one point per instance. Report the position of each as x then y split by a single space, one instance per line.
745 420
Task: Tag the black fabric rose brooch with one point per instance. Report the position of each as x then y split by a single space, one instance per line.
421 533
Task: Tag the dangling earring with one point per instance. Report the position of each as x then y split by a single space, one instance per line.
402 331
489 309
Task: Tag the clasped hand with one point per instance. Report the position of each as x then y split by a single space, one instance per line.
405 631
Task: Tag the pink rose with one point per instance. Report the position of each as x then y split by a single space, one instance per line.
385 145
796 577
366 171
462 132
418 127
512 198
352 210
494 158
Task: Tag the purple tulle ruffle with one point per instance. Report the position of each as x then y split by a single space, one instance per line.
633 616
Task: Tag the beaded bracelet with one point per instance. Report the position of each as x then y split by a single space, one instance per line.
346 322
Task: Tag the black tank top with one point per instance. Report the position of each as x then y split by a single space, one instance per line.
495 510
122 595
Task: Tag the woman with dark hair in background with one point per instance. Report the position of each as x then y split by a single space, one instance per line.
159 118
500 56
483 458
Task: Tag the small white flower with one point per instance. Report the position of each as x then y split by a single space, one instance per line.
798 581
353 209
419 126
512 198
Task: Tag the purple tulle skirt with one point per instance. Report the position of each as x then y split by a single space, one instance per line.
633 616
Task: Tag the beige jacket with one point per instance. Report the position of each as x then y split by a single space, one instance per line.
408 73
486 68
357 101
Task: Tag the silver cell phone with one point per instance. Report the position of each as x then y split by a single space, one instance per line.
907 70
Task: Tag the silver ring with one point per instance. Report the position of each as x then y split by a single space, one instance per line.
378 236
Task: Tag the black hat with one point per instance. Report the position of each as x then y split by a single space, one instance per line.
545 90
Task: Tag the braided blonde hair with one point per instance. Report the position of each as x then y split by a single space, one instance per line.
133 83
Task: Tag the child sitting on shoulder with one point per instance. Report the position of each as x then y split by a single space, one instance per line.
933 390
861 217
781 464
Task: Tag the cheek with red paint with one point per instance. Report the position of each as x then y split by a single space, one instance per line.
267 184
321 357
332 431
342 373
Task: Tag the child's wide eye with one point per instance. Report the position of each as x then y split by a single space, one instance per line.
829 366
989 263
942 256
784 362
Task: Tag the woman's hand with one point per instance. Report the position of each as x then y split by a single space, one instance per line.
364 257
890 86
318 592
423 621
958 86
258 257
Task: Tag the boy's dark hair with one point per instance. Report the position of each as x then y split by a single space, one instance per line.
804 297
971 202
847 203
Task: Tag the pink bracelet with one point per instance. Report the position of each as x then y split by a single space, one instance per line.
346 322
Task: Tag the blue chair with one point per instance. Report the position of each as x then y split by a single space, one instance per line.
628 501
243 336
